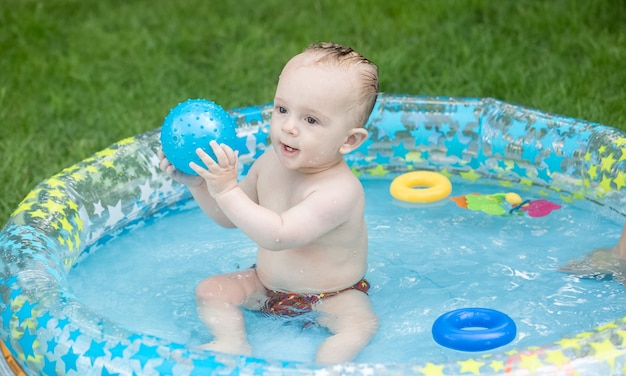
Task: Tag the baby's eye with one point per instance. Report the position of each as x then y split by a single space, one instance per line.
310 120
281 109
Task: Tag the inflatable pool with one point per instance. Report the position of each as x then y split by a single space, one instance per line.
45 330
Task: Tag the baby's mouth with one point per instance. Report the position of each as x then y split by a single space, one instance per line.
289 151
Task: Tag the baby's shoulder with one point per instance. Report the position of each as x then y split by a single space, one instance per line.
344 180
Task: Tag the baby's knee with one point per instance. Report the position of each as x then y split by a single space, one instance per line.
213 287
205 289
362 325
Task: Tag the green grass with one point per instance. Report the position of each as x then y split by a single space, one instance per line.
78 75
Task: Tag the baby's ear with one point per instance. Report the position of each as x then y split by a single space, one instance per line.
355 138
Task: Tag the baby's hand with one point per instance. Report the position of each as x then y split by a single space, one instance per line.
221 175
600 263
166 166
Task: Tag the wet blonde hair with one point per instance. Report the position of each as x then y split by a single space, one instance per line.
328 52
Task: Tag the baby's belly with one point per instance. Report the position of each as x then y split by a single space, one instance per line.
307 273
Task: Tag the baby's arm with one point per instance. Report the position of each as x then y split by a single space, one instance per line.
320 212
302 224
198 189
620 252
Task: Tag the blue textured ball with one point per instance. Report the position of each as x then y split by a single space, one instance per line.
193 124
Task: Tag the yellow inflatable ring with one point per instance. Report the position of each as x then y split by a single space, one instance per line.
420 186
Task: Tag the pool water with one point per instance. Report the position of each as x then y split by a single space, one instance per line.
424 260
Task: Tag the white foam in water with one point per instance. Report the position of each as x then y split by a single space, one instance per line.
424 261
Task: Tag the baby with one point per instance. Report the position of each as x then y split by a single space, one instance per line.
301 204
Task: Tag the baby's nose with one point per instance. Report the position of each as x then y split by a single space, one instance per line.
290 127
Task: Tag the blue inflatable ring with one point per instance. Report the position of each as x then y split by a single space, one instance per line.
474 329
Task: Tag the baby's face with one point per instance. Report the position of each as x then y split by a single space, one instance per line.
313 114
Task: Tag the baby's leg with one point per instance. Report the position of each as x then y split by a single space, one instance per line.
351 319
218 300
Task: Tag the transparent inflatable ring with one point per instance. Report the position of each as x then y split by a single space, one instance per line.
474 329
421 187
